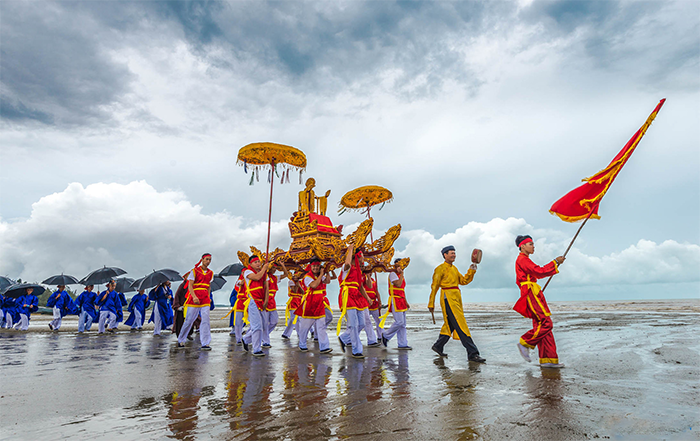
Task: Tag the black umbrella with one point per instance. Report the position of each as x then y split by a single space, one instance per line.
232 270
135 284
124 284
158 277
5 282
61 280
19 289
217 283
102 275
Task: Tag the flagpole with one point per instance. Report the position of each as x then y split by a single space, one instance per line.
570 244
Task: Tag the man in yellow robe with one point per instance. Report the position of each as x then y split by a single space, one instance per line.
447 279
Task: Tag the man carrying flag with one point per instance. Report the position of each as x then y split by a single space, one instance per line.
532 304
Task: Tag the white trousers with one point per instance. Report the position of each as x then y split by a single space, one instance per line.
204 328
320 324
272 319
157 323
356 321
238 325
23 323
375 316
84 321
56 322
398 329
291 326
138 320
107 319
258 322
8 320
367 326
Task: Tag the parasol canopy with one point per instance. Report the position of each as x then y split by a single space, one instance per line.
5 282
61 279
102 275
363 198
232 270
19 289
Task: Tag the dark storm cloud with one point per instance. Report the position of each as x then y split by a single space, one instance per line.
53 68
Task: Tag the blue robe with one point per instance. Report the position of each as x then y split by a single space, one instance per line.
9 306
160 298
120 306
64 303
110 302
32 303
86 302
140 302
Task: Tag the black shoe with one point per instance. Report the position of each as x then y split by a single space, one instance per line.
376 344
385 342
326 351
477 359
50 326
438 351
266 345
360 355
304 349
316 340
180 345
284 337
259 354
206 348
190 338
245 346
342 345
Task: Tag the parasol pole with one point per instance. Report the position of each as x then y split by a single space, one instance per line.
269 215
570 244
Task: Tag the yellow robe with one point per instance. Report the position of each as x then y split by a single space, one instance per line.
448 276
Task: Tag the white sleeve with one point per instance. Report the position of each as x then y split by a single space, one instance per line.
291 283
247 274
393 277
341 274
190 276
308 280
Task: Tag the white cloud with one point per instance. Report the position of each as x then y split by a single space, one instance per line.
139 228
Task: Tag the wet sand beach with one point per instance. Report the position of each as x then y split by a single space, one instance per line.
633 372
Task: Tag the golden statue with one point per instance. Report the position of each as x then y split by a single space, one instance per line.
322 203
307 198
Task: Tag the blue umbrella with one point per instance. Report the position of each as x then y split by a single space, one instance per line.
19 289
61 280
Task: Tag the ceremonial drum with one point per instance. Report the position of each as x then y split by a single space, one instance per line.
476 255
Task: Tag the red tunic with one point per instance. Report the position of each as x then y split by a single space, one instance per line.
272 290
294 298
532 303
312 305
200 287
372 294
351 282
397 297
255 288
242 295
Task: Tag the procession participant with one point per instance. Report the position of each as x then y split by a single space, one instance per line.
86 303
373 334
198 302
312 310
447 279
327 303
295 293
11 313
178 305
162 314
232 301
137 307
398 307
62 305
26 304
354 300
239 315
532 304
120 308
270 306
108 300
255 281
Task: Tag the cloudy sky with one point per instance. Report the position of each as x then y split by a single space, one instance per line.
120 123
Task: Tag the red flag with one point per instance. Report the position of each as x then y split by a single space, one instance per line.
583 201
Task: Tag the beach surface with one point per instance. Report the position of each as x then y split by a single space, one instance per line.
632 372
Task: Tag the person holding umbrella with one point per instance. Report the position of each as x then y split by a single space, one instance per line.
162 315
88 314
137 307
198 301
26 304
10 312
62 305
108 301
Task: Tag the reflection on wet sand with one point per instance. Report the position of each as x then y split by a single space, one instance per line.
460 387
183 403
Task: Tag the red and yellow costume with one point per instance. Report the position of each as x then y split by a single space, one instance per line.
272 289
313 304
242 295
372 294
350 295
255 289
532 304
397 298
200 287
295 295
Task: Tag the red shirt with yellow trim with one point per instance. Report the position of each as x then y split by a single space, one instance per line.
530 305
295 295
352 281
397 296
372 294
254 288
272 289
242 295
200 280
312 305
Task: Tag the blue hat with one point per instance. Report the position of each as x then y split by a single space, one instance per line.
447 248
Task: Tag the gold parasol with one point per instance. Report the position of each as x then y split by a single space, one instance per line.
261 155
363 198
